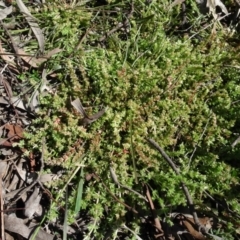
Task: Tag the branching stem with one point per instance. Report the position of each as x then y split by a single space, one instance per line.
184 187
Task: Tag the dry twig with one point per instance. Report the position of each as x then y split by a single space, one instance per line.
156 220
120 25
184 187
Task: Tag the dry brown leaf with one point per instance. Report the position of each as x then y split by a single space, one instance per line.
36 62
15 131
189 224
187 221
32 162
5 57
31 60
6 85
5 142
17 225
53 52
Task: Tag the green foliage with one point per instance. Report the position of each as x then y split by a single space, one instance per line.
181 94
62 23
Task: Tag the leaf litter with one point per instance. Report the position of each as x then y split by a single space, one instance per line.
21 192
33 24
4 10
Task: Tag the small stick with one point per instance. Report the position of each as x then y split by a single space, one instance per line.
124 204
156 220
114 177
23 55
81 41
1 208
15 48
9 93
103 38
119 201
184 187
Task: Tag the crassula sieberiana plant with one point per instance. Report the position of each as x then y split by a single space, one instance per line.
179 92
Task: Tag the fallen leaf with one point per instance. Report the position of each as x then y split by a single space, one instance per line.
13 194
5 11
34 61
34 103
6 152
14 131
48 177
32 162
17 225
15 101
6 85
32 205
6 57
33 24
8 236
15 183
79 107
3 168
53 52
212 4
22 173
44 85
4 142
1 207
87 119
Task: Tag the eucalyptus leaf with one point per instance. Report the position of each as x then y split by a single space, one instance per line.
4 12
33 24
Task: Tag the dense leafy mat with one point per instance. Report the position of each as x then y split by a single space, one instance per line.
112 76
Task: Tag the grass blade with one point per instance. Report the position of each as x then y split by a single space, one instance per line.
79 193
132 150
65 216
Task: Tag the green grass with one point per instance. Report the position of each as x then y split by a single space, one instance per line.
155 83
